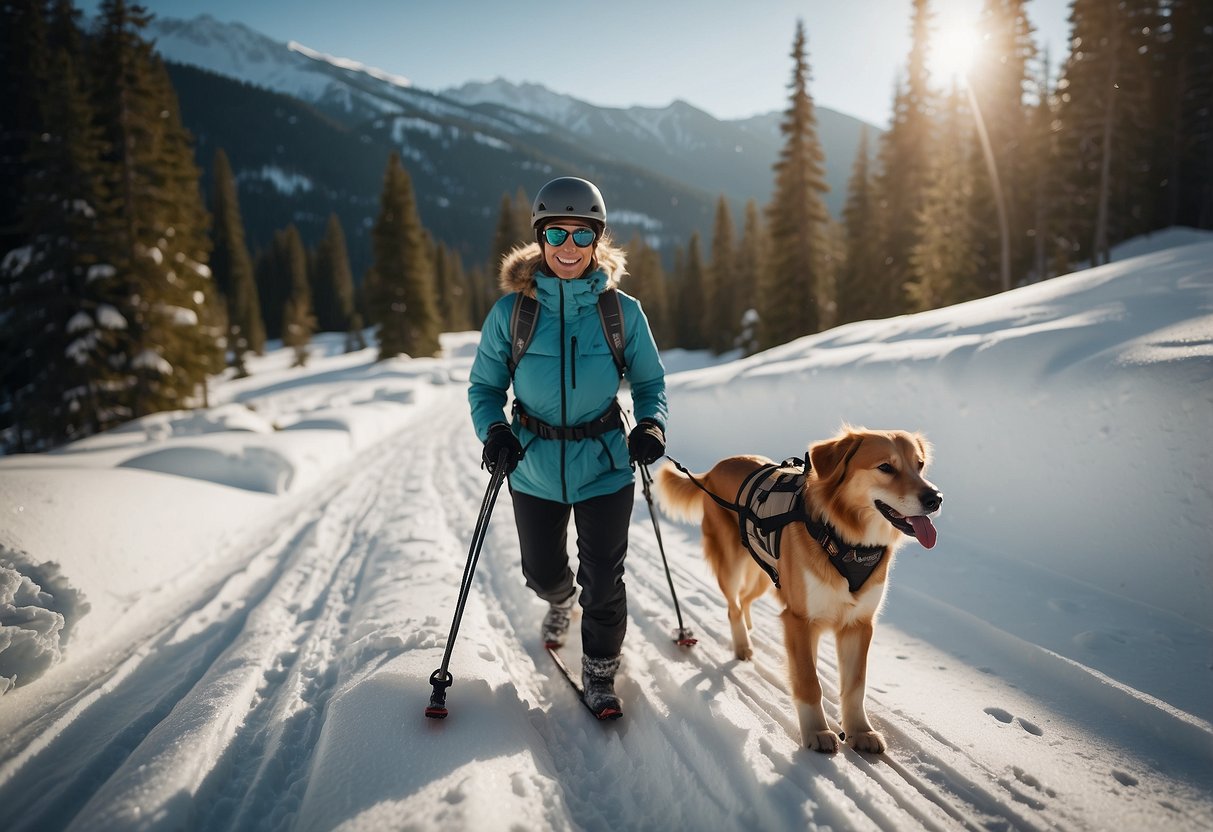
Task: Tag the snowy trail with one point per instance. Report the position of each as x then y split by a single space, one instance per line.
273 702
223 702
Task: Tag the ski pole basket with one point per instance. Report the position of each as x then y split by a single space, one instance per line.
437 707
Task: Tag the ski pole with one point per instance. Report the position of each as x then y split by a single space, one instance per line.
685 637
441 678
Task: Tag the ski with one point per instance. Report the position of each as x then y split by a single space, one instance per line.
608 713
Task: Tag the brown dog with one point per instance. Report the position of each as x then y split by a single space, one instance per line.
867 488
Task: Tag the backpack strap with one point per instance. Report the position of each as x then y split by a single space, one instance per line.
526 314
522 328
610 312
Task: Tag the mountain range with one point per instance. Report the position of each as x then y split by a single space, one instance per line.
309 133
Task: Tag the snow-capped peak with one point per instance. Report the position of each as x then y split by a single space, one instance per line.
234 50
347 63
533 99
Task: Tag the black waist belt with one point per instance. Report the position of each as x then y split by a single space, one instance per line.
609 420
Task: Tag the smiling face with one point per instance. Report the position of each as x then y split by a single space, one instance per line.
566 260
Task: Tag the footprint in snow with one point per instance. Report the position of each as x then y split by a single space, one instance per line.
1124 778
1030 780
1007 718
1030 727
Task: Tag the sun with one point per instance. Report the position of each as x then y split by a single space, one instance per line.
953 48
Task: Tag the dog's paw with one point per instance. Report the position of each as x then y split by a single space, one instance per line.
870 742
826 742
744 653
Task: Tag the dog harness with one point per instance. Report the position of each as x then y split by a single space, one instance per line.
769 500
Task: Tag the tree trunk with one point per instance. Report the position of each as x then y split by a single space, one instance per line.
1100 250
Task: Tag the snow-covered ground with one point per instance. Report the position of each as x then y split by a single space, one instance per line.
228 618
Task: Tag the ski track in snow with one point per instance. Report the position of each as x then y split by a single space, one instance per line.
219 720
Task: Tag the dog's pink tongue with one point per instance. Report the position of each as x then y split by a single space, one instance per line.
924 530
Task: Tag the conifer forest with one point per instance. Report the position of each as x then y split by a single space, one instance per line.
126 280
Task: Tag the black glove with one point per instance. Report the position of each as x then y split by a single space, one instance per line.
646 442
501 438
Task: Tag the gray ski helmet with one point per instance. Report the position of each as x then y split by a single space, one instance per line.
568 196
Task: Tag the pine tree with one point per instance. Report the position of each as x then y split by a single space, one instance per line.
58 304
332 280
999 80
905 152
860 277
752 256
482 288
232 267
513 226
1041 173
513 229
693 297
298 321
945 259
404 306
174 321
63 27
273 289
1183 91
24 58
647 282
452 289
1104 118
797 216
723 320
1135 200
834 257
689 318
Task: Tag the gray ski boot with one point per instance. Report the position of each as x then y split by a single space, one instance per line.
598 682
556 622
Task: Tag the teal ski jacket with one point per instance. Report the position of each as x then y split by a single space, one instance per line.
566 377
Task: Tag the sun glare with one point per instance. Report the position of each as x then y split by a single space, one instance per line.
953 48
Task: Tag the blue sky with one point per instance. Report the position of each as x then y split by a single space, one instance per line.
728 58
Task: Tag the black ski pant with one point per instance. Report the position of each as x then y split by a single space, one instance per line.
602 543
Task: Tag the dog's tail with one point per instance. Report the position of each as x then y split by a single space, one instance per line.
680 498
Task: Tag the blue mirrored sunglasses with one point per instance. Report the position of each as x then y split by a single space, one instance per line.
582 237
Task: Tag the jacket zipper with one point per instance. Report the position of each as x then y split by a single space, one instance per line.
564 423
573 361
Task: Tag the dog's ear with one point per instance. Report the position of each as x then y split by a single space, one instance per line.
830 458
925 447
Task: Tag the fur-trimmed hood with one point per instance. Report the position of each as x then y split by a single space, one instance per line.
519 266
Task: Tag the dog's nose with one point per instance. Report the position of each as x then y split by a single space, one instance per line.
931 500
